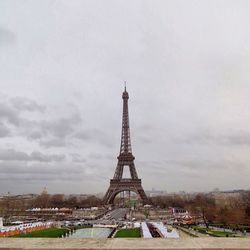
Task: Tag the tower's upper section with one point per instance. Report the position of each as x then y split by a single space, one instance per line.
125 149
125 94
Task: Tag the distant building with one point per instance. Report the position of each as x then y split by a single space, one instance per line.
153 193
224 198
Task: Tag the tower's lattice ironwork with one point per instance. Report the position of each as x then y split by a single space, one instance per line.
125 158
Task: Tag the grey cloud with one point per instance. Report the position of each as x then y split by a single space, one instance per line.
191 166
44 178
145 139
231 138
94 135
78 158
62 127
16 167
21 103
95 156
38 156
84 135
6 36
51 132
12 108
48 133
19 168
239 139
4 131
9 114
13 155
89 134
54 142
44 172
195 173
34 135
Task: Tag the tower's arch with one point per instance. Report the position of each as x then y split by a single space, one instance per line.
117 192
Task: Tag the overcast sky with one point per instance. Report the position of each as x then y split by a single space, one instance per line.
62 68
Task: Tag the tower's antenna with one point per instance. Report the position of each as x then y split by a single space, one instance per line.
125 85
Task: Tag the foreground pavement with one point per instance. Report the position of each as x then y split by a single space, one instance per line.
125 244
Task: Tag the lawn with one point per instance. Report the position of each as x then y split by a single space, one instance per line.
128 233
200 229
214 233
220 234
44 233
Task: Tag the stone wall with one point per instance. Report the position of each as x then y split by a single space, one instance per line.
122 244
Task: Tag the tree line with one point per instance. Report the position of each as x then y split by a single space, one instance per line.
11 205
230 210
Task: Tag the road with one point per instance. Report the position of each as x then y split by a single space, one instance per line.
116 214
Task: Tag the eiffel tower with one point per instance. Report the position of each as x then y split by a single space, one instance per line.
125 159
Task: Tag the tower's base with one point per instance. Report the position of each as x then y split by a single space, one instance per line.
120 185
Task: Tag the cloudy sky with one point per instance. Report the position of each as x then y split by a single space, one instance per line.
62 68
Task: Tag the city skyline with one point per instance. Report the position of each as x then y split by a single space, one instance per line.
63 65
